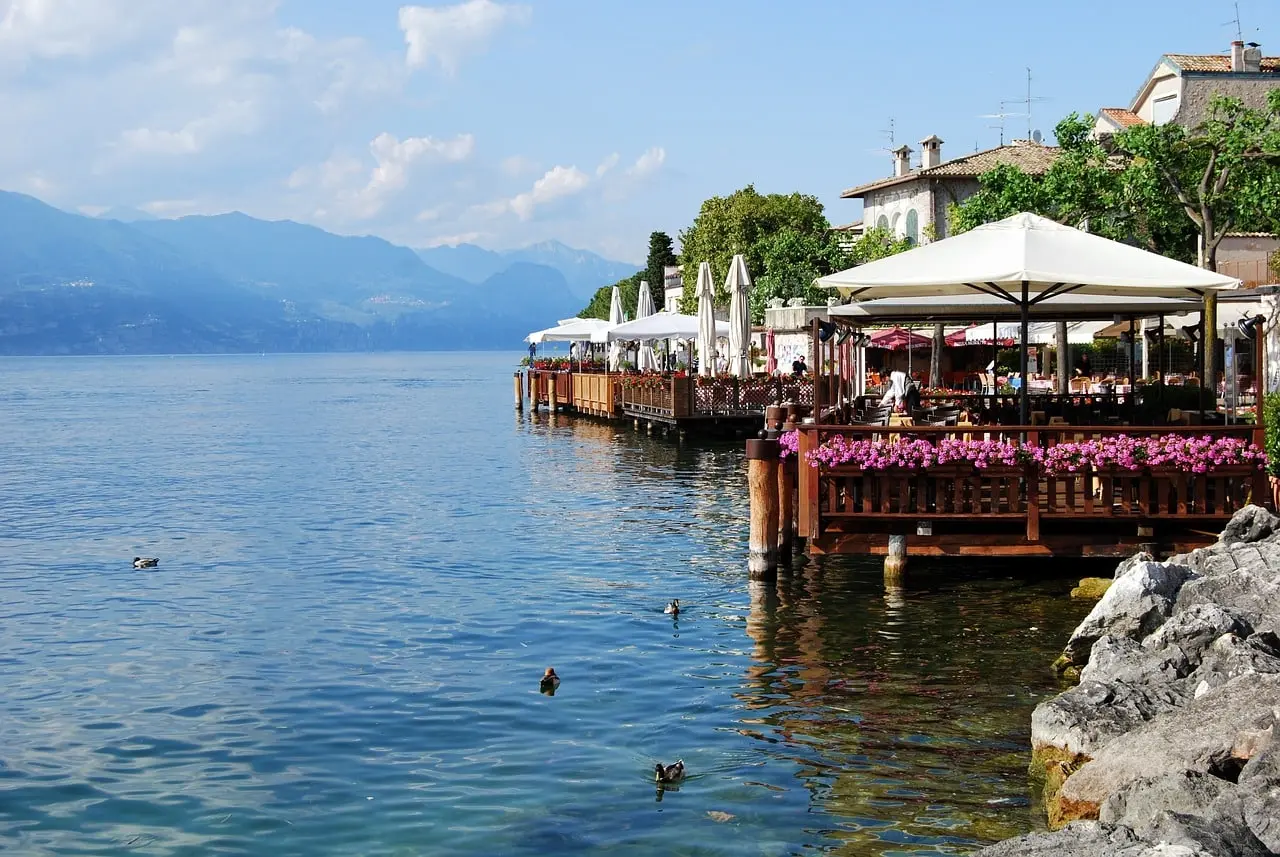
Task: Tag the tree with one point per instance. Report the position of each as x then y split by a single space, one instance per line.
743 222
662 253
603 298
1223 173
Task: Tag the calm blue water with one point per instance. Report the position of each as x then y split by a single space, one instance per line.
366 563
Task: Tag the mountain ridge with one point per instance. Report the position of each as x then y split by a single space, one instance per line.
584 270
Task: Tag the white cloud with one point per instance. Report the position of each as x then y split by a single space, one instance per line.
429 214
650 162
558 182
231 118
445 34
607 164
518 165
455 240
173 207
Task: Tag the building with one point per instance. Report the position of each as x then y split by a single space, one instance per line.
913 203
672 287
1181 86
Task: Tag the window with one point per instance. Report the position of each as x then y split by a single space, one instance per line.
1164 109
913 227
893 224
883 223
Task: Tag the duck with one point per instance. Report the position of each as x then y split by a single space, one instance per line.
669 774
145 562
673 608
550 681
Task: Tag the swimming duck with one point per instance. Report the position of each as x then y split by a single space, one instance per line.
673 608
550 681
145 562
670 774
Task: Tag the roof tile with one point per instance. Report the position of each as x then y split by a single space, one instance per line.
1122 116
1217 62
1030 157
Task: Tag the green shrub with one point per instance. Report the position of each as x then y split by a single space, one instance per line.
1271 429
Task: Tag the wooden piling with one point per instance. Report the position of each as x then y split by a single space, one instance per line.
551 393
895 561
762 482
786 508
519 393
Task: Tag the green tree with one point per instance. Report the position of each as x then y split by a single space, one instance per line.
662 252
603 298
741 223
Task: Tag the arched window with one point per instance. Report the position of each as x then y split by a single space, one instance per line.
882 223
893 224
913 227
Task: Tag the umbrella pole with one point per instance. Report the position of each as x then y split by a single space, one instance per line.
1024 401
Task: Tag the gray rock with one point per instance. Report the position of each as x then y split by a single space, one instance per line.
1230 657
1249 592
1120 659
1078 839
1091 715
1250 524
1138 803
1259 792
1128 563
1193 628
1136 604
1219 833
1199 737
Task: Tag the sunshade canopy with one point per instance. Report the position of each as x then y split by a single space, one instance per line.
577 330
1049 258
660 325
985 308
896 339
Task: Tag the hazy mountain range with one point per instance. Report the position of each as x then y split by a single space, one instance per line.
71 284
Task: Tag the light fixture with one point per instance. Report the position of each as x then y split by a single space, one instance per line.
1248 327
1152 334
826 329
1189 332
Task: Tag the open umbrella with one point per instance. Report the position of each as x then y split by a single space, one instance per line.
615 318
706 321
738 285
646 360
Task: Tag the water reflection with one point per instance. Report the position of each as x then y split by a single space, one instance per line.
896 709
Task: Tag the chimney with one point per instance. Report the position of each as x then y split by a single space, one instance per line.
1253 57
930 152
1237 56
902 160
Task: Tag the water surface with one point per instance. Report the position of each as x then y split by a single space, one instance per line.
366 563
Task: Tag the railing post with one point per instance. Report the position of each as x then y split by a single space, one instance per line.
762 481
519 393
807 477
1033 492
552 392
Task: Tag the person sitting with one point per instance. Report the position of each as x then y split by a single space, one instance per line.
798 367
1083 369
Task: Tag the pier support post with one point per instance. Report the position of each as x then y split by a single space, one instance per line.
519 393
762 482
786 509
551 394
895 562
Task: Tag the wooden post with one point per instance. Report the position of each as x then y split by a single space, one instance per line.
551 392
786 508
762 481
519 393
895 561
1209 340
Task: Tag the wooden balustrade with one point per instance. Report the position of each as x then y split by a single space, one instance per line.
597 393
1016 509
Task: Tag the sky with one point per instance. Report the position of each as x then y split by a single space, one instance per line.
593 122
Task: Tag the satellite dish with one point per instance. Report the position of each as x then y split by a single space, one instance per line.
1036 135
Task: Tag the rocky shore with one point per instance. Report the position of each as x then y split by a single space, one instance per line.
1165 747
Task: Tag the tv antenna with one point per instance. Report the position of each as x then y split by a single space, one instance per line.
1002 115
1028 100
1238 24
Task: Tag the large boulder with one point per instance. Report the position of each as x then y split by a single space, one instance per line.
1251 524
1083 720
1201 736
1259 791
1193 628
1195 810
1079 839
1249 589
1139 601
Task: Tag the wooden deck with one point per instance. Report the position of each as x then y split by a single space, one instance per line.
1017 511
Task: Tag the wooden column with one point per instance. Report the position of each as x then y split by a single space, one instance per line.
1064 359
519 393
1209 344
895 561
551 392
762 482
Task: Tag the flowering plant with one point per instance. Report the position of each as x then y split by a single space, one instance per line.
788 444
1119 452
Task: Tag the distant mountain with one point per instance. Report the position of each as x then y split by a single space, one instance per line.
583 270
83 285
125 214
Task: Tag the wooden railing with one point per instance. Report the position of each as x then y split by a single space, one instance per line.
1020 502
597 393
667 397
676 398
540 381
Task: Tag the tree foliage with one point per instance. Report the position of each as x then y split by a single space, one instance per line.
662 252
603 298
1156 186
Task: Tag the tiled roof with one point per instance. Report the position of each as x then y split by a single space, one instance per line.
856 226
1122 116
1029 157
1217 62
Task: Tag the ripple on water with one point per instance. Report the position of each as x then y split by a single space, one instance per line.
366 564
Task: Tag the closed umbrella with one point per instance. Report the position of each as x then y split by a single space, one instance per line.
615 318
706 321
738 285
770 353
646 360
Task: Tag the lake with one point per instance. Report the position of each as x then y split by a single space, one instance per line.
366 563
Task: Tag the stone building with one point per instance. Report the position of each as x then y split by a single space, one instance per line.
913 202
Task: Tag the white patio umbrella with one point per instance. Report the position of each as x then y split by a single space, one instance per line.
576 330
706 321
661 325
738 284
646 360
1026 260
615 319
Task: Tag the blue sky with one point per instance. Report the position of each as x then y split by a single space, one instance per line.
589 121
